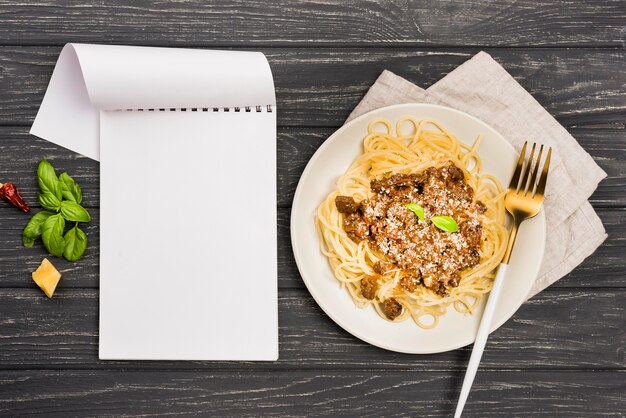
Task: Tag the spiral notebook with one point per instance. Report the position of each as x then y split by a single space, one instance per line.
186 141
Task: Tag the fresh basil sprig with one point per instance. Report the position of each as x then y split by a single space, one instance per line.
52 234
61 198
416 209
75 244
74 212
33 228
49 201
48 180
69 189
445 223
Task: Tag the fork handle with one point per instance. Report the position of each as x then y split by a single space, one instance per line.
481 338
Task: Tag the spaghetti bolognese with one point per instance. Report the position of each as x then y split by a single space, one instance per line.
414 225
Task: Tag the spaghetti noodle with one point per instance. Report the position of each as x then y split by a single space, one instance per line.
412 147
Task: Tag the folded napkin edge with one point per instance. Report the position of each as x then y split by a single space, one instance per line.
484 60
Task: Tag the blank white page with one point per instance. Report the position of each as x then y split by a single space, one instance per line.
188 235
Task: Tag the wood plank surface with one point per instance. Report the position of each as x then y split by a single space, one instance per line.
310 393
332 22
561 329
320 86
561 355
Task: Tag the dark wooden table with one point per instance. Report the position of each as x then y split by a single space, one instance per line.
562 354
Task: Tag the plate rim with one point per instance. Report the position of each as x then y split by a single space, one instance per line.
495 325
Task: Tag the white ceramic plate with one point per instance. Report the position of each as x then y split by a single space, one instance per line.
454 330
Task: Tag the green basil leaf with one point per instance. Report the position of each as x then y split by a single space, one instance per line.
445 223
49 201
48 180
32 231
416 209
75 244
66 192
52 234
74 212
69 189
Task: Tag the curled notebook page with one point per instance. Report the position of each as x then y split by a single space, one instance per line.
186 141
90 78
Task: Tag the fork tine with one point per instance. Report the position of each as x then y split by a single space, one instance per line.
533 177
541 187
518 169
529 166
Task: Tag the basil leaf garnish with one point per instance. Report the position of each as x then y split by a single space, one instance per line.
445 223
32 231
52 234
69 189
74 212
75 244
49 201
416 209
48 180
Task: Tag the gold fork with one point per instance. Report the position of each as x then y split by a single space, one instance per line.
523 201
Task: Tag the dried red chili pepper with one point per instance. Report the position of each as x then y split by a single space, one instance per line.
9 192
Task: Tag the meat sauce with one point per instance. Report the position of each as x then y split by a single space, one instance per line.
426 255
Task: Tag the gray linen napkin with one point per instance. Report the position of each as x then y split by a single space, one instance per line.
482 88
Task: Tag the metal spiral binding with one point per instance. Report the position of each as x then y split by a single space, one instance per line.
237 109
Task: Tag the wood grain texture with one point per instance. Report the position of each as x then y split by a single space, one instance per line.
562 354
62 333
606 268
320 86
334 22
295 146
310 393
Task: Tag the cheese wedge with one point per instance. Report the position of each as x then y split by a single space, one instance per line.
47 277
